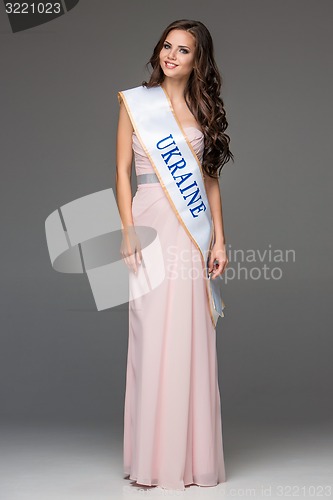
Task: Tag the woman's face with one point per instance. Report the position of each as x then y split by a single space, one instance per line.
177 54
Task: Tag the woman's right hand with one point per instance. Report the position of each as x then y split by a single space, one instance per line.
130 248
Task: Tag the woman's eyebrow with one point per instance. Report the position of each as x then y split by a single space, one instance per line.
181 46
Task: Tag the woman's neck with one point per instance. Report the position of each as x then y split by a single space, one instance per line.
174 88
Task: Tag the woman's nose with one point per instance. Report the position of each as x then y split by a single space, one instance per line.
172 54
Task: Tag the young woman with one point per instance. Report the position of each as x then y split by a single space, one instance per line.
175 125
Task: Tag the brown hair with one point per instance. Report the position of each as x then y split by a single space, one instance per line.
202 94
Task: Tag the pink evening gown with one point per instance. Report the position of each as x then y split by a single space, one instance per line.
172 412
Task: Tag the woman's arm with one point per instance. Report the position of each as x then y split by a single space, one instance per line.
124 158
215 203
130 246
214 198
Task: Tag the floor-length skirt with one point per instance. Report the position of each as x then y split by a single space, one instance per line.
172 413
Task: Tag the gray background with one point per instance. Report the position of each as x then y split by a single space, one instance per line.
61 361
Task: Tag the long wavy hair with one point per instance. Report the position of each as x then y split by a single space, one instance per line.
202 94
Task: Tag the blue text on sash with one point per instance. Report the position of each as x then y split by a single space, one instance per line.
176 164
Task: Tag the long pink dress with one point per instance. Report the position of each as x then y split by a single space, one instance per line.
172 414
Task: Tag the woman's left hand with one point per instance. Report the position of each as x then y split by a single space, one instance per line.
218 253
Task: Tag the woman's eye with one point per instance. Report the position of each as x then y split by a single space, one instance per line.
183 51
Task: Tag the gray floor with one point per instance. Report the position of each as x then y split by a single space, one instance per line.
67 463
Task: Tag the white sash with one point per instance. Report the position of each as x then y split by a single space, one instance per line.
178 170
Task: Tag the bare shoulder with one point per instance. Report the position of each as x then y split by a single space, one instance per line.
124 121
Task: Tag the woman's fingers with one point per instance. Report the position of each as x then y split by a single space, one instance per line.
135 260
219 266
132 262
131 251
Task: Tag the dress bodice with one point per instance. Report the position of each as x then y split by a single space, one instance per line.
142 162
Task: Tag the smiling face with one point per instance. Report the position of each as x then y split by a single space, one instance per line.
177 56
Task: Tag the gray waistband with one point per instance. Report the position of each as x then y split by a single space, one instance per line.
145 178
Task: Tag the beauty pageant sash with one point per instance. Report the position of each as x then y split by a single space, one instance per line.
179 172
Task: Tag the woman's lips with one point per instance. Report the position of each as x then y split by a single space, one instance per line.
170 65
